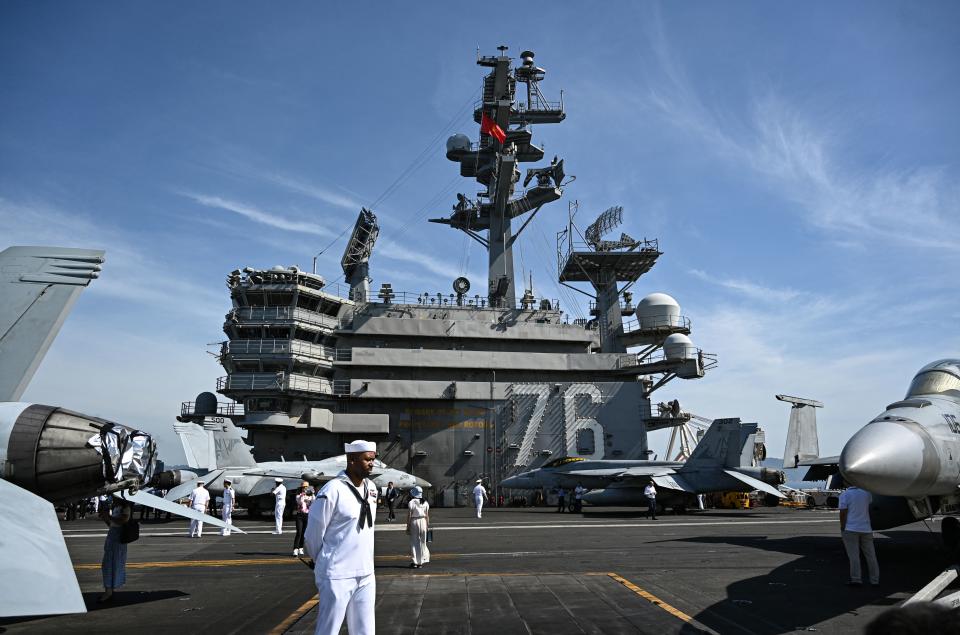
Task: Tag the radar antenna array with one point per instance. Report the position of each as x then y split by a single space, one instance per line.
604 223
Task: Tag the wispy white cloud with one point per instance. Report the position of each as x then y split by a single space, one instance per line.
799 156
393 251
129 273
750 289
312 190
259 216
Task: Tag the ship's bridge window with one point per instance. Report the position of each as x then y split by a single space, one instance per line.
936 378
563 461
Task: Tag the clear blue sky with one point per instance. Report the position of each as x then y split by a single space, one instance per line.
797 162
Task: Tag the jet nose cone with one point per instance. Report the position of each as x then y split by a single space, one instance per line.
519 481
890 458
422 483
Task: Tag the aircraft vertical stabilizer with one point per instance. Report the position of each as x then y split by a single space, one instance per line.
230 447
802 442
38 286
722 443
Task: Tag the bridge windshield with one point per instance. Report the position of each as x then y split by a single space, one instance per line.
936 378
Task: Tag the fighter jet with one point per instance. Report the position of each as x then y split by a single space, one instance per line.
49 454
908 456
720 462
232 459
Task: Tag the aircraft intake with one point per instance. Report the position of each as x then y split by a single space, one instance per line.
171 478
63 455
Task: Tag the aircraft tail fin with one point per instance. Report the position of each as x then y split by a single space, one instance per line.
197 445
39 286
802 442
724 444
211 445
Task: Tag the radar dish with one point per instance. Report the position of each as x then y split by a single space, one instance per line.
461 285
604 223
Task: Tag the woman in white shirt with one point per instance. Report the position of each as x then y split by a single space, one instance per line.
418 519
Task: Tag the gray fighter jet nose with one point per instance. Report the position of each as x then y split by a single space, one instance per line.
422 483
891 458
520 481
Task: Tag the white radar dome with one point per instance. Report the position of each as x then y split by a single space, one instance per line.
458 142
678 346
658 310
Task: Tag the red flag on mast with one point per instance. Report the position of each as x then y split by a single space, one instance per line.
490 127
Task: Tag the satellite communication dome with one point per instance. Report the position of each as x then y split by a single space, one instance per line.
658 310
278 268
458 142
679 346
206 404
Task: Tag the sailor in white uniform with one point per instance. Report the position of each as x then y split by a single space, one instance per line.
226 510
280 493
479 494
339 538
199 499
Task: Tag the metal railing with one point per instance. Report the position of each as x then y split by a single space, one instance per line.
630 360
278 347
664 323
275 382
341 387
282 314
448 300
224 409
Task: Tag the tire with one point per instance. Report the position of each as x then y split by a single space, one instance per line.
950 533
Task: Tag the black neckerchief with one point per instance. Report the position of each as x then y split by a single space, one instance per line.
365 512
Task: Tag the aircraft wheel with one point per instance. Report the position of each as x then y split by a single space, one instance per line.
811 501
950 532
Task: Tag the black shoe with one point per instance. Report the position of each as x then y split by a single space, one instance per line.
852 583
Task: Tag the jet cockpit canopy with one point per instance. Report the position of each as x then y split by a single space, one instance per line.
935 378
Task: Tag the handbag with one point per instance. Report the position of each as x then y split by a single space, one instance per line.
130 531
429 535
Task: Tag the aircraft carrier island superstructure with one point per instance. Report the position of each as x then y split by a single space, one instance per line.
455 386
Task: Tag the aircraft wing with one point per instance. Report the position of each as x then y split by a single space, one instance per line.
38 577
143 498
266 484
39 286
183 489
755 483
821 469
673 481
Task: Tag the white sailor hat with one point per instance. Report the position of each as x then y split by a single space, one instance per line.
480 480
359 446
226 480
278 480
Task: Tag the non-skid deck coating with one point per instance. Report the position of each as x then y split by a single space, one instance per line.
494 604
516 571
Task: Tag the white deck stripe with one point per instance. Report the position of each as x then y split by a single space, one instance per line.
478 527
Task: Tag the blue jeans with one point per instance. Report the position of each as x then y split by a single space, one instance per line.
652 507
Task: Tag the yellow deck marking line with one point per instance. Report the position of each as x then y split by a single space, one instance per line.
291 619
658 602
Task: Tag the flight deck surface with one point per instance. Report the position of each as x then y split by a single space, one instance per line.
518 570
